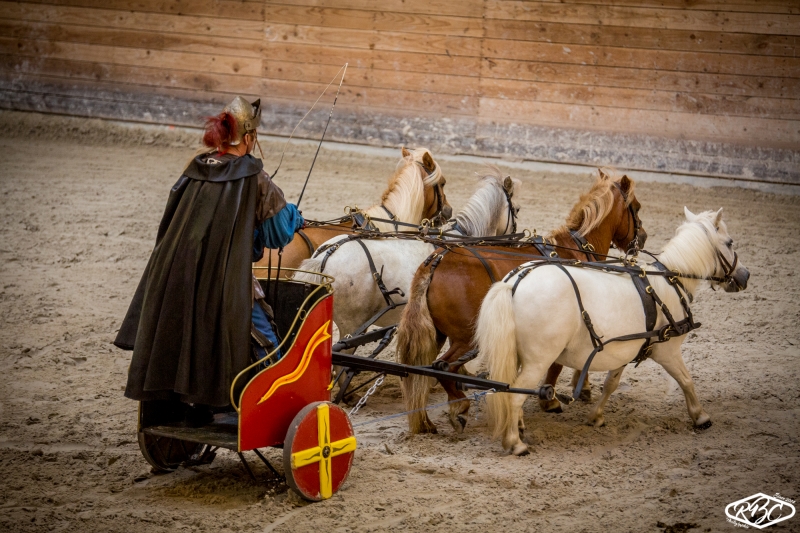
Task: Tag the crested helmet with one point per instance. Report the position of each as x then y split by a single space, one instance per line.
247 115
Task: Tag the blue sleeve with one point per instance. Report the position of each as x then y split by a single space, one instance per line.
278 231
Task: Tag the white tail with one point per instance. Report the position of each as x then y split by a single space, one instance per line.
313 264
496 340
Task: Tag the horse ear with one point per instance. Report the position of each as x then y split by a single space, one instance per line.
427 162
718 218
603 175
691 217
405 152
625 184
508 185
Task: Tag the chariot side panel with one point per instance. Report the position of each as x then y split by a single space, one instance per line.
276 394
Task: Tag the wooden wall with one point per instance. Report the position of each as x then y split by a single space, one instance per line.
696 86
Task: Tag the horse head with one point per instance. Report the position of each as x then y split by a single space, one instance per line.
608 213
506 222
630 234
728 272
434 202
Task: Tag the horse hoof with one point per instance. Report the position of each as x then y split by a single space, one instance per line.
586 395
552 406
520 450
598 422
705 425
557 409
458 423
431 430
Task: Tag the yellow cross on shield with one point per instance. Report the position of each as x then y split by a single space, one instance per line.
324 452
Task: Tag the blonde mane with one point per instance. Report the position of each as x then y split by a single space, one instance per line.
594 206
691 250
487 204
405 195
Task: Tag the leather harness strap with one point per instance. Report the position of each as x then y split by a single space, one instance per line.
584 245
302 234
391 217
650 301
378 277
484 263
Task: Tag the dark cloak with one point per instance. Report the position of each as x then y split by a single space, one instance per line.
189 322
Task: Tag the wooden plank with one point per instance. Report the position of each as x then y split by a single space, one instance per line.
636 78
206 81
411 102
131 20
314 54
375 21
131 38
372 77
231 9
656 100
462 8
747 6
752 131
133 56
775 66
374 40
304 92
650 38
644 17
146 77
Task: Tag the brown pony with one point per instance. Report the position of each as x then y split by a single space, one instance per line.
438 310
415 192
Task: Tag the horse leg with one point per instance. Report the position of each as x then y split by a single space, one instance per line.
586 390
457 409
512 438
596 417
551 406
669 357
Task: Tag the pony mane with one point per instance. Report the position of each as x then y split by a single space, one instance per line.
691 250
595 205
405 195
479 215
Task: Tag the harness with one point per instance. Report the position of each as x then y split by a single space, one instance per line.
584 245
651 303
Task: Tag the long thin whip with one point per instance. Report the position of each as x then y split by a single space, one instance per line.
286 145
323 131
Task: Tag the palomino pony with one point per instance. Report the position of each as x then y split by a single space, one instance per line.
445 306
552 329
415 193
490 211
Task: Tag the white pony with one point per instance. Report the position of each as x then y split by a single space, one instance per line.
489 211
520 335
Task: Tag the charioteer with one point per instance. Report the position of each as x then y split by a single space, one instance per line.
198 305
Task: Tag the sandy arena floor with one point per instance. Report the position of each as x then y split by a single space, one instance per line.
78 216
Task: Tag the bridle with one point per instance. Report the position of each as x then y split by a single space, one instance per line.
634 220
438 218
512 215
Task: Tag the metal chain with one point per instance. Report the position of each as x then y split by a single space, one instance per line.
369 393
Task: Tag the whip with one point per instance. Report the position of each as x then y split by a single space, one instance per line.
283 152
323 131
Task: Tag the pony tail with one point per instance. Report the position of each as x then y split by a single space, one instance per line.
220 130
496 340
416 345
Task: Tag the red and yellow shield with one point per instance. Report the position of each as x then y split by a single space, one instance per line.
318 451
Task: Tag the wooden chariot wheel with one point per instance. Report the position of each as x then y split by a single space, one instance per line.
318 450
165 454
